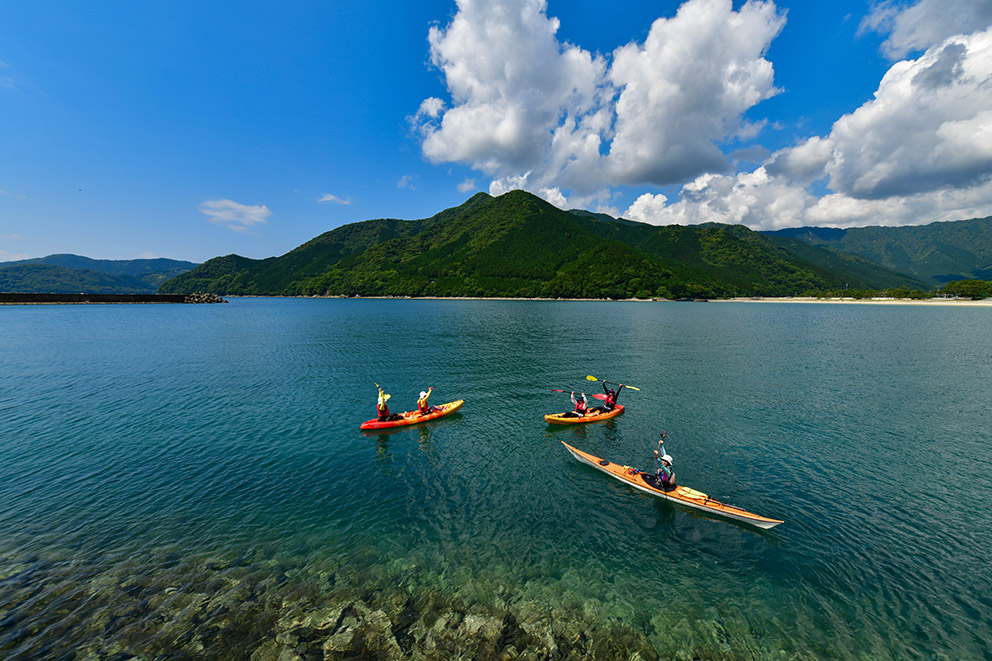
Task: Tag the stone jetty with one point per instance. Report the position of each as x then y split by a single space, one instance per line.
55 299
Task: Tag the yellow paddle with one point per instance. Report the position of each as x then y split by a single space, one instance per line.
592 378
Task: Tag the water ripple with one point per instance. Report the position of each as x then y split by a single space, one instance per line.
159 465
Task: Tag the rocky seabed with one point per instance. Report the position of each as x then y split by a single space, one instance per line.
248 608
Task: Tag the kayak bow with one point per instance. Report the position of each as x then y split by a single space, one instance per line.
567 419
647 483
414 417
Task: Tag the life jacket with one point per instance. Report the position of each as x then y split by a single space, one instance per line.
380 405
611 399
580 406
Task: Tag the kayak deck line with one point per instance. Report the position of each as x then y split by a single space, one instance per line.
563 419
414 417
689 497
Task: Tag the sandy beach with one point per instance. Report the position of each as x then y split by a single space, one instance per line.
952 302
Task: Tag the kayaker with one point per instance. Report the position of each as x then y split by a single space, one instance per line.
422 401
580 405
611 396
380 408
665 472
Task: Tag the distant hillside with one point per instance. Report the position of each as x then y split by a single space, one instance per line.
519 245
767 255
936 253
856 272
61 274
49 279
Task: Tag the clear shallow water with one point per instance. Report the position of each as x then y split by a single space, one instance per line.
157 459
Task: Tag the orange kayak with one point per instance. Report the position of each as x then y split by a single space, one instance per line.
569 419
648 483
414 417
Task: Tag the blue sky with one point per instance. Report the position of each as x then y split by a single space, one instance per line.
191 130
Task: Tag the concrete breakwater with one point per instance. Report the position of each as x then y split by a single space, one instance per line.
27 299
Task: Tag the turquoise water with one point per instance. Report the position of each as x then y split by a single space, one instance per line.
183 479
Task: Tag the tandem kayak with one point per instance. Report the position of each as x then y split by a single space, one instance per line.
414 417
648 483
569 419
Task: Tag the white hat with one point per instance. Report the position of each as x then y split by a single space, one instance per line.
423 393
667 458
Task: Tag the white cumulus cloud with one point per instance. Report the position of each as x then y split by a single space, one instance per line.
755 199
533 112
927 127
920 150
928 22
233 215
537 113
687 87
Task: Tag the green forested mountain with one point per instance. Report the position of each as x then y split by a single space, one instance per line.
75 274
51 279
768 261
936 253
855 271
519 245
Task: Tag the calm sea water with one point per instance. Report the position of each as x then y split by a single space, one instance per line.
170 445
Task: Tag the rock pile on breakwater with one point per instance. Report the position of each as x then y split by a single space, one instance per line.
204 297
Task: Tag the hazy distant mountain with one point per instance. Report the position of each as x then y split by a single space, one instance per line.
519 245
936 253
75 274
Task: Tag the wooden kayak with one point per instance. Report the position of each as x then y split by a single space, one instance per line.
414 417
568 419
648 483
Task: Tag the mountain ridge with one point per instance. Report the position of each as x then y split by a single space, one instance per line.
70 274
520 245
935 253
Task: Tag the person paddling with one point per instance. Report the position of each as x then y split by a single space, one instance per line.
611 396
422 401
380 408
665 472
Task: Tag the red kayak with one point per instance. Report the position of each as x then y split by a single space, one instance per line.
414 417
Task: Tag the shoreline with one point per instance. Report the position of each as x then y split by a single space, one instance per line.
987 302
63 299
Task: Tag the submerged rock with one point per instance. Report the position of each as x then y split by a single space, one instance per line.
269 610
274 651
